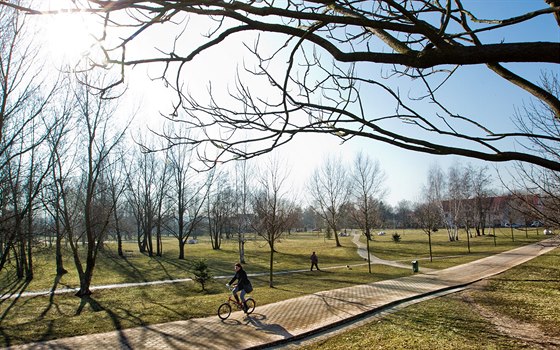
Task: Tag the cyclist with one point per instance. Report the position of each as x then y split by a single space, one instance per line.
243 284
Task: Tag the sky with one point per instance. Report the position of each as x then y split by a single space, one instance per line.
480 93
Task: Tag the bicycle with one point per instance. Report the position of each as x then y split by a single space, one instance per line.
224 310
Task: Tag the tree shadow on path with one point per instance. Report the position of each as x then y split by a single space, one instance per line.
97 307
256 320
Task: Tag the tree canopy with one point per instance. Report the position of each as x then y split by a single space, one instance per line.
325 61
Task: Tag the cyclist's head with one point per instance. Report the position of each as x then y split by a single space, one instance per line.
238 265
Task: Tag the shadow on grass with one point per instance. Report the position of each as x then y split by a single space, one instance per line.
15 288
138 269
183 264
51 297
124 267
115 319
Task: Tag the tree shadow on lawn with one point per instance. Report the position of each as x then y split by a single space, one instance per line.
125 268
181 264
135 274
13 287
11 295
51 297
115 318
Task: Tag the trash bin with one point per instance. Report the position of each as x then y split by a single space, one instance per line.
414 266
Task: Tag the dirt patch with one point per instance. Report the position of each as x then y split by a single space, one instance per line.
528 333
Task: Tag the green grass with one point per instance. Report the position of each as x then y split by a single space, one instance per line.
30 319
528 293
442 324
414 246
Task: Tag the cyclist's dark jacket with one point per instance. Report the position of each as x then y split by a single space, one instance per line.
242 279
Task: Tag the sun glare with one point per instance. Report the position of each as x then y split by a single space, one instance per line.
69 37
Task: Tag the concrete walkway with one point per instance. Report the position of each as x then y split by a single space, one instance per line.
362 252
278 323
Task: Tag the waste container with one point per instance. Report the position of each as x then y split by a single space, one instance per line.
414 266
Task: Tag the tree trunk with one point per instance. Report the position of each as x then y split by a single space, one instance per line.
139 237
430 244
29 257
468 240
60 270
241 241
336 236
271 273
368 234
118 231
181 249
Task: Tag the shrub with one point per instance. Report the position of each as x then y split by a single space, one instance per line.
396 237
200 272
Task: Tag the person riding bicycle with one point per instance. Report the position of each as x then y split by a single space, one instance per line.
243 284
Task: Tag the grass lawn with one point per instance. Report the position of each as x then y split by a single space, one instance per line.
28 319
518 309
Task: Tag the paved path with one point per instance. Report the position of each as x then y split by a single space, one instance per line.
292 319
362 251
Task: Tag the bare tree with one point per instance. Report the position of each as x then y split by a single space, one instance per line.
430 213
429 218
453 201
98 140
536 182
466 202
243 173
482 198
272 209
61 146
163 204
367 189
116 181
188 194
146 189
339 44
25 172
330 191
220 207
140 177
26 121
404 214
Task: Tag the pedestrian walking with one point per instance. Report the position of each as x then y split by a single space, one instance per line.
314 261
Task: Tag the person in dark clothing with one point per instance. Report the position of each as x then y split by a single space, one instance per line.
314 261
243 284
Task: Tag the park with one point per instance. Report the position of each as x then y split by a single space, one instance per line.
389 162
529 293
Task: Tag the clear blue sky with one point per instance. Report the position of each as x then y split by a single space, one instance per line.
473 91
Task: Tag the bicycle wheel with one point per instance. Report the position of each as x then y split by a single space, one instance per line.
250 305
224 311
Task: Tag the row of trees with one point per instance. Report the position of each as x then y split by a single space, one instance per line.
463 199
64 161
58 153
70 176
